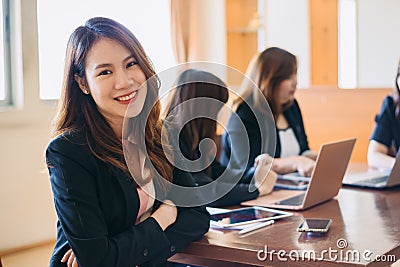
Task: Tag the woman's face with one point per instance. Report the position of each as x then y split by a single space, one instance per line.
114 79
286 89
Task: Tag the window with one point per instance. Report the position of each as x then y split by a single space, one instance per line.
57 20
5 85
347 44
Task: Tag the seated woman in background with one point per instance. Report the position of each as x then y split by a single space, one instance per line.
274 72
193 108
385 139
109 215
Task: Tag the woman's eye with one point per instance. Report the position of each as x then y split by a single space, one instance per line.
131 64
105 72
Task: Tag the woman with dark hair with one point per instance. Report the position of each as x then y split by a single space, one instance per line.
112 211
385 140
193 108
272 78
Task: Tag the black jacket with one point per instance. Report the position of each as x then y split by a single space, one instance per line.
387 127
237 190
245 115
97 206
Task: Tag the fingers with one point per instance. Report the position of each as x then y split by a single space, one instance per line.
263 159
268 184
169 203
305 166
71 260
256 161
307 171
266 159
310 170
66 255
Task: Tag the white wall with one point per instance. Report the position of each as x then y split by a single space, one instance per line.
27 213
287 26
378 42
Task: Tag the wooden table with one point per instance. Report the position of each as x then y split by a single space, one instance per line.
366 225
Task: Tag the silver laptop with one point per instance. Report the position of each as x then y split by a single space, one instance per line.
325 180
375 178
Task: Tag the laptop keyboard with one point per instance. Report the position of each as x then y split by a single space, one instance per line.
376 180
293 201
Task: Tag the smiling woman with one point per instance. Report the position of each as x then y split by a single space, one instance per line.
109 215
113 78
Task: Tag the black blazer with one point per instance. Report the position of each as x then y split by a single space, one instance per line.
248 118
239 191
387 127
97 206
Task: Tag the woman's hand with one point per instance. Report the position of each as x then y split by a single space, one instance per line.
262 165
70 258
263 159
301 164
304 166
265 178
378 156
166 214
268 183
310 154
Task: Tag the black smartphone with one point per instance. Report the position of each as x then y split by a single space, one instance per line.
315 225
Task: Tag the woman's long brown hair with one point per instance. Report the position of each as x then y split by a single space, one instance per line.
267 70
276 65
193 84
78 112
